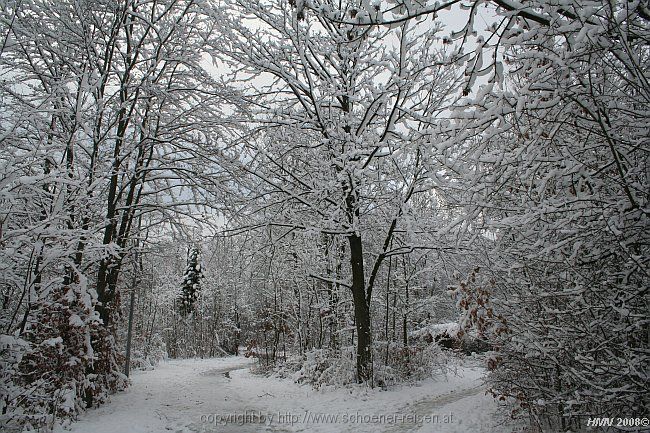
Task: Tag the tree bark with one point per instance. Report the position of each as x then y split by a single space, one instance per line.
361 311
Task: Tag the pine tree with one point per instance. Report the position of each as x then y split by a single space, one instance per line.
191 285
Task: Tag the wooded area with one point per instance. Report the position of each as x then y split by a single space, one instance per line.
324 183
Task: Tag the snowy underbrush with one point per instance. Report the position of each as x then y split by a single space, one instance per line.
398 364
47 383
393 364
322 367
51 372
450 336
150 355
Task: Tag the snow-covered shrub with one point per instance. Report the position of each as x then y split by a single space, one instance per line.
229 336
323 367
404 364
450 336
12 350
271 333
395 363
576 348
153 352
49 366
558 182
287 368
566 345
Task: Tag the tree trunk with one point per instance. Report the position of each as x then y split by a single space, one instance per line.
361 311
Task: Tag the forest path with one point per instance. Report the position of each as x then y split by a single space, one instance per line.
177 396
433 411
222 395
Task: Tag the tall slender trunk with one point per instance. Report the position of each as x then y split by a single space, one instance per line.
386 317
361 311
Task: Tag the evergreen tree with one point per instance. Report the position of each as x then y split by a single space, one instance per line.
191 285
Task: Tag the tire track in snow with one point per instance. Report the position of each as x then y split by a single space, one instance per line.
223 379
431 406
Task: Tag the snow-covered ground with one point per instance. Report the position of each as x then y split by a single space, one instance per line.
222 395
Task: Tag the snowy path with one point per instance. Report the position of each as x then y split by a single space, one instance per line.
221 395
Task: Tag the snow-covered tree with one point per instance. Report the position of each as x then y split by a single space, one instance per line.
106 126
191 284
548 151
337 146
